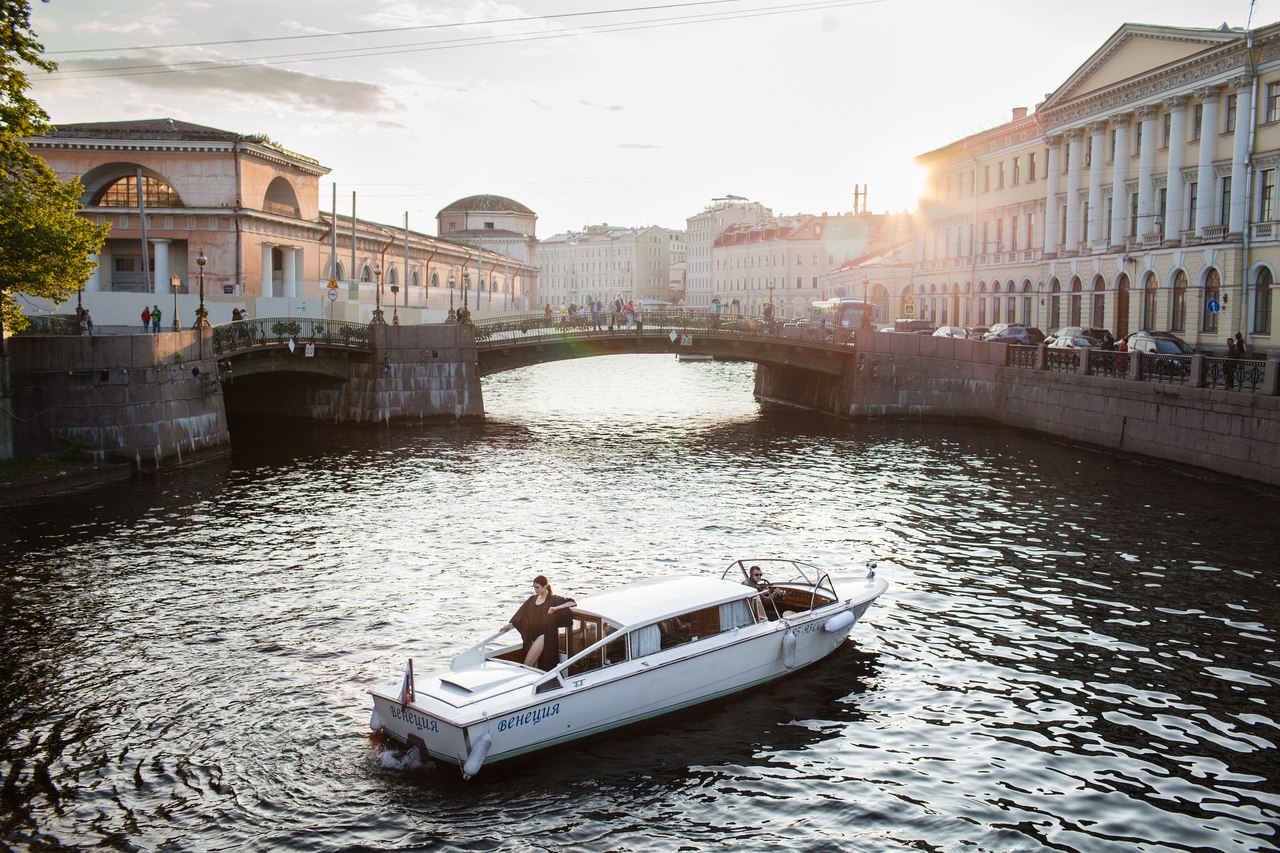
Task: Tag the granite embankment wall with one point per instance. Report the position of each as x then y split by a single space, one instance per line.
415 374
144 399
897 375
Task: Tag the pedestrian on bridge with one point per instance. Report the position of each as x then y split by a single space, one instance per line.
155 319
146 319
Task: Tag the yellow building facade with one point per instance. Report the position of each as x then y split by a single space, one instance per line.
1141 194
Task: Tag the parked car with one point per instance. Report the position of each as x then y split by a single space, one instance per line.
1168 352
951 332
1000 328
1098 336
919 327
1072 342
976 332
1165 343
1024 335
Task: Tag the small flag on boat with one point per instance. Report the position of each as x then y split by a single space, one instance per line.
406 689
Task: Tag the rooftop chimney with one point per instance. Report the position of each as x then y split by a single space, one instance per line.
1019 113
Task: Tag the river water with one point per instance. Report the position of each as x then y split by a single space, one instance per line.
1078 651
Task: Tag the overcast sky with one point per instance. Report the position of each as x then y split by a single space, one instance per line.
626 117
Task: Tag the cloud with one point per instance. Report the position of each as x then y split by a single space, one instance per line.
615 108
264 83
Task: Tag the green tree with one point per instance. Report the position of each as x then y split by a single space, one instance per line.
44 245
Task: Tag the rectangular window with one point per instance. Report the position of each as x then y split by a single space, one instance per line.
986 179
1224 208
1164 202
1266 193
1273 102
1191 212
1017 163
999 235
1031 228
1111 146
1137 138
1197 120
1013 233
1000 175
1031 166
1166 129
1133 214
815 282
986 232
1229 114
1062 227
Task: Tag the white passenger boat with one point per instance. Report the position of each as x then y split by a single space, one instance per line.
629 654
686 357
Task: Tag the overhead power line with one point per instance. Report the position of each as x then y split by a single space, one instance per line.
453 44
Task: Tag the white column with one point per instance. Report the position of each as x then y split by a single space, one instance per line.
1207 190
1053 167
1097 158
1175 216
94 283
1243 87
1075 158
289 283
1147 171
1119 178
267 274
160 245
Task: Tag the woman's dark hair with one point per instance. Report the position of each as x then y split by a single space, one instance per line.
541 580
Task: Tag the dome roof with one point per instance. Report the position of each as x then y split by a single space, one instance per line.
487 204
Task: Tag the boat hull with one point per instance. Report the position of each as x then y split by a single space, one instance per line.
521 721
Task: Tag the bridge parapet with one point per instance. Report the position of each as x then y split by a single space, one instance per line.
655 323
243 335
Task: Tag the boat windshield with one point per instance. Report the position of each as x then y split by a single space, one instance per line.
775 571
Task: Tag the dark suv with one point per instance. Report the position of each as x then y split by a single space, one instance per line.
1169 353
1023 335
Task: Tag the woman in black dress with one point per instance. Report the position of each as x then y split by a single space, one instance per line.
536 620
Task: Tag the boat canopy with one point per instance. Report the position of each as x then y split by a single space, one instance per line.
659 598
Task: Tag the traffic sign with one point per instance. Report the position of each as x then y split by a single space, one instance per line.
1214 306
909 299
909 310
333 284
333 293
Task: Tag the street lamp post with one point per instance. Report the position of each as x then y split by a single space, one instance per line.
466 286
175 283
395 301
378 318
202 314
453 312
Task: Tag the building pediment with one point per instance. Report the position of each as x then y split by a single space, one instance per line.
1135 50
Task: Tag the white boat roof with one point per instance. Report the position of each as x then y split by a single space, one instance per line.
658 598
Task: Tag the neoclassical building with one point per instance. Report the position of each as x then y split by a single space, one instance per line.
1141 194
491 222
603 263
170 190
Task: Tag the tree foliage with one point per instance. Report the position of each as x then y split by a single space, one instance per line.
44 245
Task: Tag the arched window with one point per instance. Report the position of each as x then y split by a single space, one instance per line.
392 276
1098 319
982 303
1212 293
414 280
435 279
1149 301
366 274
1026 302
280 199
1262 302
1178 303
1055 305
124 193
1010 302
339 272
1076 297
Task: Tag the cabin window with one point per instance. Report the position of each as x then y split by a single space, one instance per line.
735 614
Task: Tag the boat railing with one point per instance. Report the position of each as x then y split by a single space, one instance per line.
474 656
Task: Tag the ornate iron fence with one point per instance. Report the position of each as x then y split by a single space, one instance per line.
1062 360
678 321
1171 369
1235 374
1020 356
1105 362
273 331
